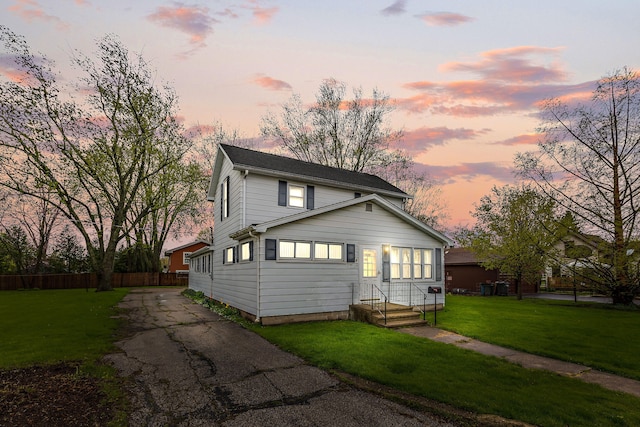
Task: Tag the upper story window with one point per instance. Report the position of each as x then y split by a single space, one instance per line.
224 198
295 195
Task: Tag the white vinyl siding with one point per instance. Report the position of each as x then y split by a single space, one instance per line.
309 286
304 285
262 198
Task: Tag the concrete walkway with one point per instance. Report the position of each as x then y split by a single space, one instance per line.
584 373
187 366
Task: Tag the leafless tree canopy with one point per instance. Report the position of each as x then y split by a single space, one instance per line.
353 134
589 162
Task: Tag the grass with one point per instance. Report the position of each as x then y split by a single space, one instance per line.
454 376
596 335
46 327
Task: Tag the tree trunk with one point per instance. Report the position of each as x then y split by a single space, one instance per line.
105 273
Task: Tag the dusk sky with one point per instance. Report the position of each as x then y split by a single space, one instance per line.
466 76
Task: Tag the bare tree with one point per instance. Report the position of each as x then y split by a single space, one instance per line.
37 217
347 134
589 162
94 145
353 134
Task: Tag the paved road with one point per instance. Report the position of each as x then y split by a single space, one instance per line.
569 297
190 367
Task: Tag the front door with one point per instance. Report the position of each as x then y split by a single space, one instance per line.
370 276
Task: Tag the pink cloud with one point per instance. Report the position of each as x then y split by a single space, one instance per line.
527 139
199 131
262 15
30 11
468 171
271 83
419 140
513 65
509 80
397 8
194 21
439 19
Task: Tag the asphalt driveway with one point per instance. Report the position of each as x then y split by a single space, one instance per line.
187 366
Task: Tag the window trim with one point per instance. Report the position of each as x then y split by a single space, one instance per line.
328 246
295 250
397 265
224 199
185 259
249 245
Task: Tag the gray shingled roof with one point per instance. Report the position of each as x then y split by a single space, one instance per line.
258 160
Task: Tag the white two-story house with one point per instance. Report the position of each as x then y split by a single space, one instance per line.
298 241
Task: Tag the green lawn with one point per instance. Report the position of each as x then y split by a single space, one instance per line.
593 334
454 376
45 327
596 335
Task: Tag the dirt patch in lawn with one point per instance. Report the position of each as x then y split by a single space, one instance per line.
52 396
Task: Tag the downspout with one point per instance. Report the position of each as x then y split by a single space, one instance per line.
256 253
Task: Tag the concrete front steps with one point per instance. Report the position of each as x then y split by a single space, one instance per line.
398 316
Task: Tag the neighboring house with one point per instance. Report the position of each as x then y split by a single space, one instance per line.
464 274
572 252
297 241
179 257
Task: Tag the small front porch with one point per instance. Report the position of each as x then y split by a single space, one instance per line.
395 304
390 315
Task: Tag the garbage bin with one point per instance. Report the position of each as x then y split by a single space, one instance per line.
486 289
502 289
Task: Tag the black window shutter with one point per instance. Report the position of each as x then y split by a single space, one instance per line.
282 193
236 253
438 264
310 195
224 257
351 252
270 249
251 250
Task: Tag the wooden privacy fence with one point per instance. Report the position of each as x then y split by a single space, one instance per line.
90 280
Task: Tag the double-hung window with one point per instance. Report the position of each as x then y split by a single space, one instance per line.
246 251
327 251
294 250
224 198
427 263
296 196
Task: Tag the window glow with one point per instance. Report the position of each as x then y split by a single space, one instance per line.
296 196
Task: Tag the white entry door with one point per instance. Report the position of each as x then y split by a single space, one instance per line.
370 272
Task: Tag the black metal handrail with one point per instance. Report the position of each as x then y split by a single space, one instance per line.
384 315
424 300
